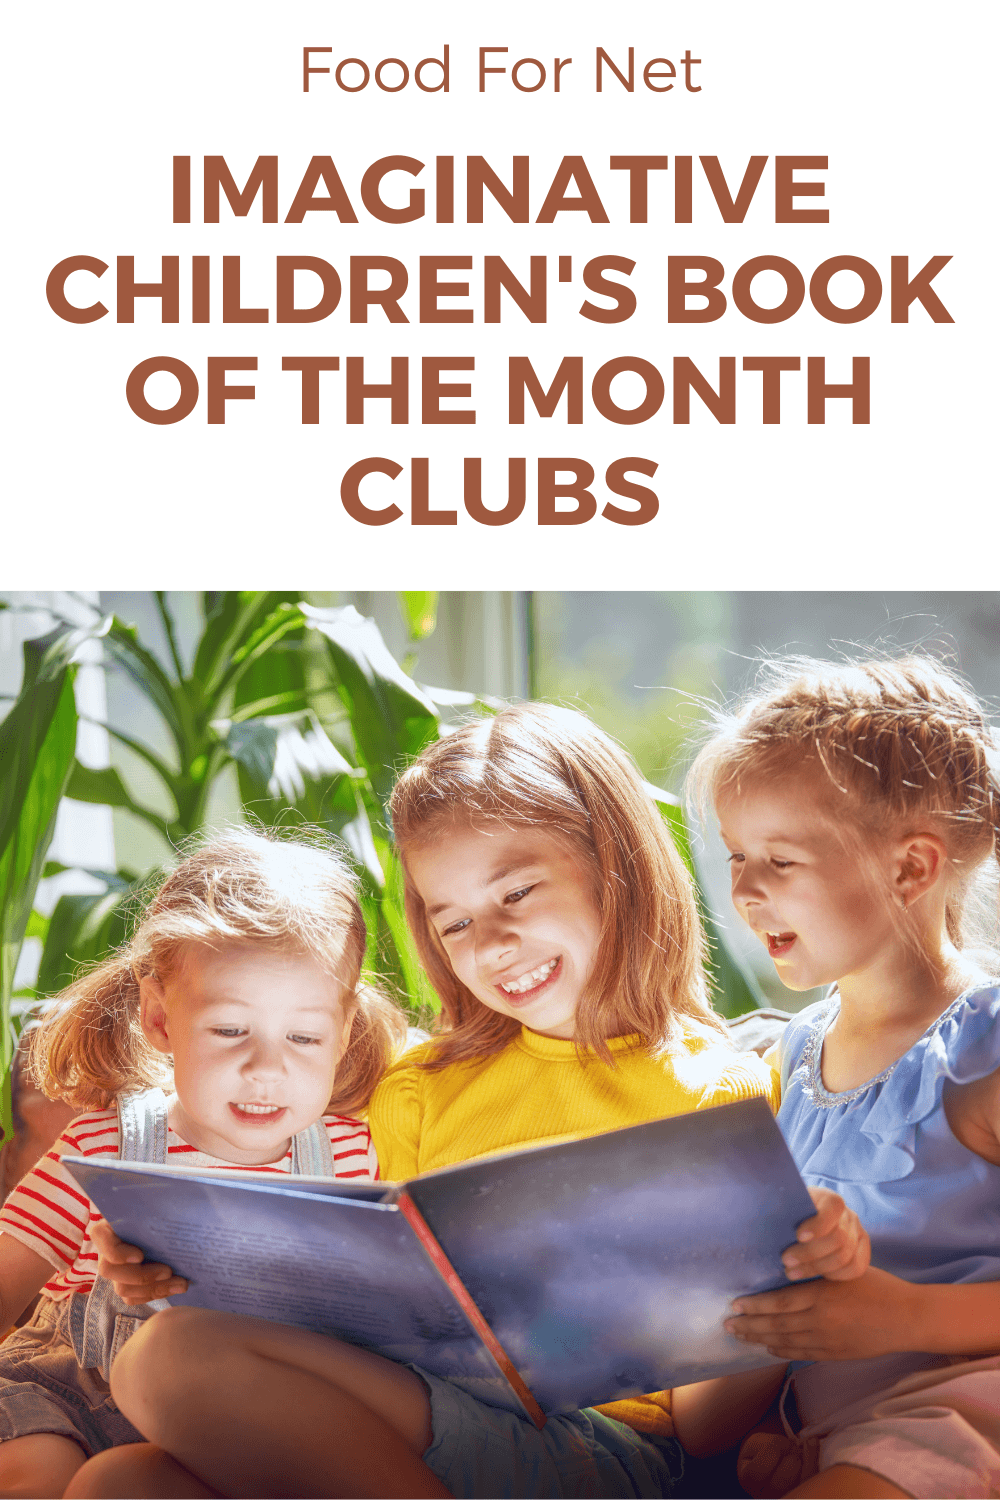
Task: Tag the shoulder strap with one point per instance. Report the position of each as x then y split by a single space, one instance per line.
311 1154
142 1126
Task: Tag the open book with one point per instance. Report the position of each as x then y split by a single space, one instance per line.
545 1279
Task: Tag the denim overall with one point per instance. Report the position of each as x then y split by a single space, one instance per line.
100 1323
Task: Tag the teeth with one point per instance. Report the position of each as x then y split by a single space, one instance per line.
528 981
259 1109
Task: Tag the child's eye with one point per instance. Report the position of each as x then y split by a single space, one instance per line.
229 1031
736 859
456 927
518 895
306 1041
782 864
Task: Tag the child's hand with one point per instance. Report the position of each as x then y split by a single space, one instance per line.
858 1319
135 1280
832 1243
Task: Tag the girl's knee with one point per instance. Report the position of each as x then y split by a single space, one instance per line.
159 1362
40 1463
133 1469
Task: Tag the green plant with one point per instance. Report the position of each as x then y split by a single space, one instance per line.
315 714
734 986
380 720
37 746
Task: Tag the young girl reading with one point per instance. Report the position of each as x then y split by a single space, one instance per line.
559 927
244 971
859 805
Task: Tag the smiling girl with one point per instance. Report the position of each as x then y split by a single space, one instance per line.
860 805
559 927
244 972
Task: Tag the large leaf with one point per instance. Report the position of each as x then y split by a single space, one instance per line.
37 744
230 619
419 609
82 929
392 719
283 621
398 954
735 984
283 754
118 880
273 683
170 631
104 785
123 646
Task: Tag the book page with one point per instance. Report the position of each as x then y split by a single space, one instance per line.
605 1266
351 1270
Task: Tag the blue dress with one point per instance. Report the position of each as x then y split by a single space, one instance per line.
931 1206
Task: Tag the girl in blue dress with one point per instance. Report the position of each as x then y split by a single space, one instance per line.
861 808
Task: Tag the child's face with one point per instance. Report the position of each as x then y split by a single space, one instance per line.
808 899
516 916
256 1034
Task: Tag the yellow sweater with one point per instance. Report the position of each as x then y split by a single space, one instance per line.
537 1091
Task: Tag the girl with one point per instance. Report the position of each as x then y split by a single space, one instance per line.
859 805
244 971
559 927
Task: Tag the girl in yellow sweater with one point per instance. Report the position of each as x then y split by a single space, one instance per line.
560 929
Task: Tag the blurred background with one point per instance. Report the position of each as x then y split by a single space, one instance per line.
162 714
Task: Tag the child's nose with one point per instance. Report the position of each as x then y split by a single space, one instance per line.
496 940
265 1059
747 887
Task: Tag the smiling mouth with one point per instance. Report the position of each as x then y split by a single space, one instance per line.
532 982
258 1114
779 943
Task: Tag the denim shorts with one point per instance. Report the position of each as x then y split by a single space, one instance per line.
480 1450
43 1389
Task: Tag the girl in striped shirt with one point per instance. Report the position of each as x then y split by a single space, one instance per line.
239 995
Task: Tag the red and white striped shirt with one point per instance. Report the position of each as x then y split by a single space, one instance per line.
48 1212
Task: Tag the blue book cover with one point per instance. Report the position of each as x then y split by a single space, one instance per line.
564 1275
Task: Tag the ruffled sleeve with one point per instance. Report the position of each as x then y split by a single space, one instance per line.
870 1134
964 1046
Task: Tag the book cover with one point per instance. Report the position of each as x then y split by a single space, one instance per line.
562 1275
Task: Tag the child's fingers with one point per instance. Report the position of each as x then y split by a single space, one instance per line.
172 1288
787 1300
826 1252
110 1247
833 1243
150 1273
829 1211
135 1284
142 1283
829 1265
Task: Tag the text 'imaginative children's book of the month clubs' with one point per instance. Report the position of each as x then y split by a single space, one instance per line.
542 1280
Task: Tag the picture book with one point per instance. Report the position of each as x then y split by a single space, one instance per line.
540 1280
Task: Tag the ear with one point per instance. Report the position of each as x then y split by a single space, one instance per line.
921 860
153 1014
345 1035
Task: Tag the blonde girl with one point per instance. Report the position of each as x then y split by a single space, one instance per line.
860 805
560 929
238 993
